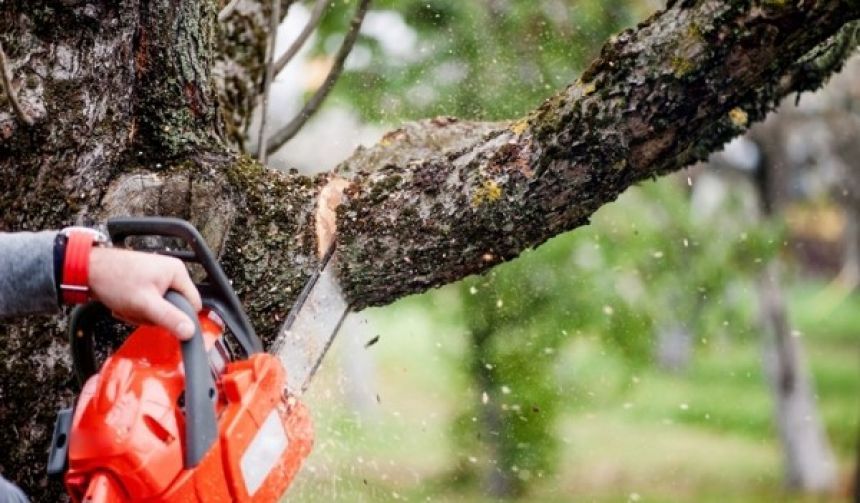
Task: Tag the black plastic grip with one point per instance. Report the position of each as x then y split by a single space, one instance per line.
217 293
83 321
58 456
201 426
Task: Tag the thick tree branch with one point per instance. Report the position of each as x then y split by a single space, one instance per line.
656 100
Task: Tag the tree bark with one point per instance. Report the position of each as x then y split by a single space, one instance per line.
656 100
125 122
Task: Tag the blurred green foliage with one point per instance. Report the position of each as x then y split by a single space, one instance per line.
648 261
477 59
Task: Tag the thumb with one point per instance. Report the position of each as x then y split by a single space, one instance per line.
166 315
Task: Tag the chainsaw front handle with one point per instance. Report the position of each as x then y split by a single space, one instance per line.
216 292
201 426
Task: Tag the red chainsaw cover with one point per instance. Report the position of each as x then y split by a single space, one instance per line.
127 435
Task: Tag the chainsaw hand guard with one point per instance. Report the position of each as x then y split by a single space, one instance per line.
216 292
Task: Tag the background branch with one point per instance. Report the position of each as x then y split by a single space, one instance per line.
274 22
227 10
289 131
6 76
316 16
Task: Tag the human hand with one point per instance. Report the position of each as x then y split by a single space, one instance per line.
132 285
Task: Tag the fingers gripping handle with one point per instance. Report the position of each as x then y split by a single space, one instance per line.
218 294
201 426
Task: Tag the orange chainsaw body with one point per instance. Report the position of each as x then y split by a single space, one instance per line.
128 429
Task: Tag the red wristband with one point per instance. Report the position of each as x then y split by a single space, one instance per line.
76 267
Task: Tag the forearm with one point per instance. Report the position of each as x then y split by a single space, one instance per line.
27 284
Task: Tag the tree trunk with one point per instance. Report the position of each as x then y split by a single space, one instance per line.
809 462
674 347
849 275
499 481
856 489
124 121
848 151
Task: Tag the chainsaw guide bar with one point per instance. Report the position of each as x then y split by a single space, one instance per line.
311 326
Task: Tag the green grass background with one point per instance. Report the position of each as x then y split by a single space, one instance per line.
630 433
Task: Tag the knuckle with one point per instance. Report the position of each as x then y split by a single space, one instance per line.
179 269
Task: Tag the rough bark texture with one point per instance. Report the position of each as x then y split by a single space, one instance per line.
125 123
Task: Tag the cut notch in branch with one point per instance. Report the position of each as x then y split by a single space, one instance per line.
328 200
6 77
286 133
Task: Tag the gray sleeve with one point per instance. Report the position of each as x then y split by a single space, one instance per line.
9 493
27 273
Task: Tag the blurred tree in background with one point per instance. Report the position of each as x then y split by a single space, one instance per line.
645 262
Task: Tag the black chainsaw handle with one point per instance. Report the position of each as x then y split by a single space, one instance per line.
201 426
216 292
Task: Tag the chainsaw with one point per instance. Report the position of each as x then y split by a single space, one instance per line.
214 418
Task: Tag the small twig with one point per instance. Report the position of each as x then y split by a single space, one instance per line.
227 10
289 131
274 21
316 16
10 91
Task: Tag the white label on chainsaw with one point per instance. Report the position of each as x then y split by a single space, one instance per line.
264 452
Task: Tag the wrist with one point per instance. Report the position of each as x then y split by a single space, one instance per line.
74 286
